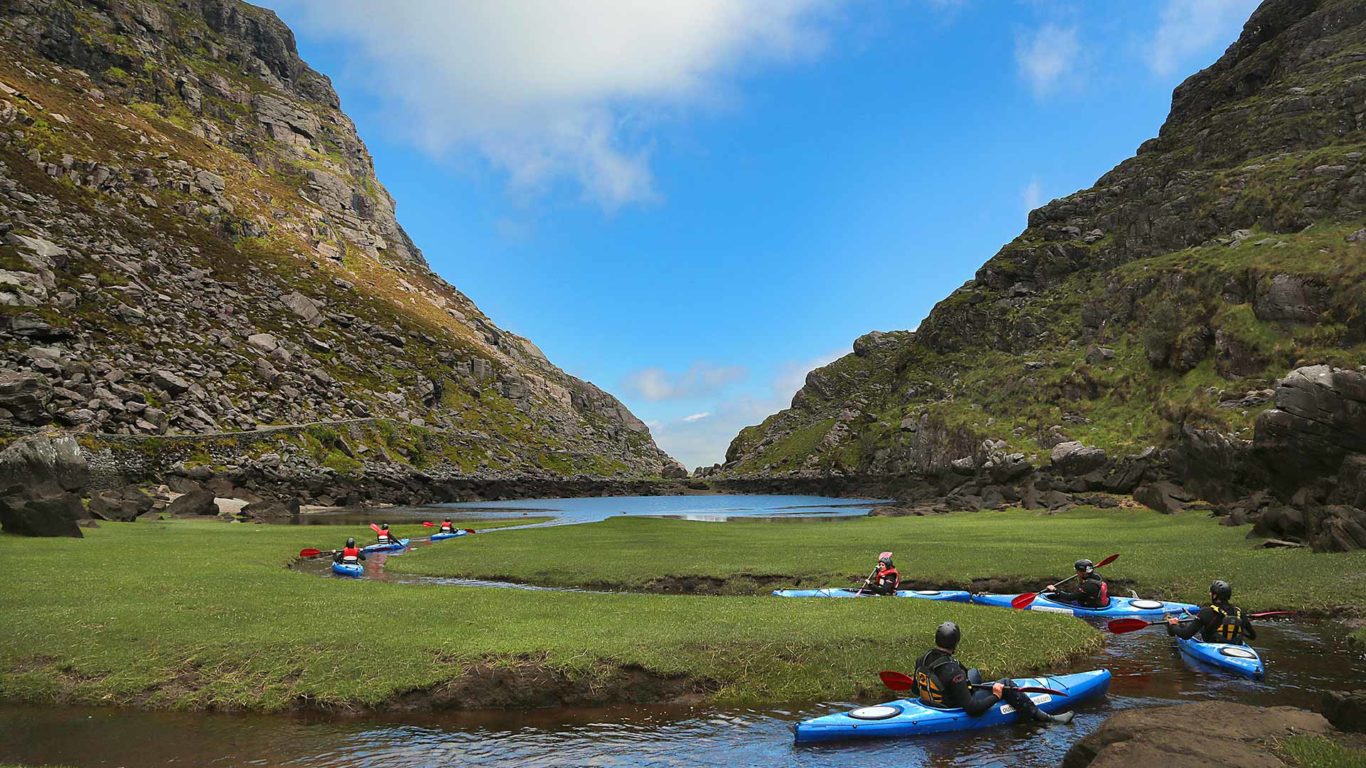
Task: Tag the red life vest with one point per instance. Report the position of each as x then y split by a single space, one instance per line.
888 576
1104 593
351 553
384 537
446 528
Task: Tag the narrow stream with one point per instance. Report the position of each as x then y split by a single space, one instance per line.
1303 659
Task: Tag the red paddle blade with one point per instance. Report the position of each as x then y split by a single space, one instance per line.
1023 601
897 681
1264 614
310 552
1036 689
1108 560
374 528
1124 626
469 530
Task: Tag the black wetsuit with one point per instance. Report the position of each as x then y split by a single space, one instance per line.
1092 592
1217 623
940 681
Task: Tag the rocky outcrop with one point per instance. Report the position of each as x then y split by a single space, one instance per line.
1210 734
41 481
193 241
1346 710
1132 334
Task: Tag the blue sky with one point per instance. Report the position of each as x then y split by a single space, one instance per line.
691 203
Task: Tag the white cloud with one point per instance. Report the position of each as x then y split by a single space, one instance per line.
1032 195
701 439
548 91
702 379
1189 27
1047 56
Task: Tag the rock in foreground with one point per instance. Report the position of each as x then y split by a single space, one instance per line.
1209 734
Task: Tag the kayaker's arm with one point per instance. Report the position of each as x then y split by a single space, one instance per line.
1248 632
1188 629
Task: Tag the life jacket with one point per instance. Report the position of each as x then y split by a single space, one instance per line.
350 554
1230 629
1104 594
446 528
888 577
927 681
1102 598
384 537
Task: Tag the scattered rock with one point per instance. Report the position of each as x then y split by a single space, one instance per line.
123 505
1346 710
1163 496
1073 458
1210 734
196 503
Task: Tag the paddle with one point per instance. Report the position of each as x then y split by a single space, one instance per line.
1024 601
899 681
311 552
865 583
1125 626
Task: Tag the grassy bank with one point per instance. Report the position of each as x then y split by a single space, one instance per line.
1173 556
1320 752
206 615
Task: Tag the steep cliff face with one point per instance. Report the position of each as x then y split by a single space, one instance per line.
194 241
1160 305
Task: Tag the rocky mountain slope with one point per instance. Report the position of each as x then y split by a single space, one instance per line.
193 242
1157 309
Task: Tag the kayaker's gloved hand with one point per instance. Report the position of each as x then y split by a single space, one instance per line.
998 690
1051 588
1172 621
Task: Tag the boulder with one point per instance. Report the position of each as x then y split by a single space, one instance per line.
1320 417
1291 299
42 514
1336 528
1074 458
122 505
1209 734
26 397
42 465
1280 522
1346 709
307 309
271 509
170 382
1162 496
196 503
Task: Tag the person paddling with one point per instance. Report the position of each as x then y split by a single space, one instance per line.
383 534
1091 591
446 527
1218 622
940 681
885 578
350 554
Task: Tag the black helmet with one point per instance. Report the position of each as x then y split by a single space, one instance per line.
947 636
1084 565
1220 589
351 541
885 557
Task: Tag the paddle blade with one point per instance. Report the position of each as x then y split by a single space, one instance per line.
426 524
1108 560
897 681
1125 626
1264 614
1023 601
469 530
374 528
310 552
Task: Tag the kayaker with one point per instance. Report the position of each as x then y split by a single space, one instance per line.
350 554
1218 622
940 681
1091 592
446 527
885 578
384 536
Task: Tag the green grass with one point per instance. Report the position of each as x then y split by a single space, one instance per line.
1173 556
205 615
1320 752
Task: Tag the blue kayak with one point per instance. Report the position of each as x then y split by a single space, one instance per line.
354 570
1119 607
444 536
393 546
1229 657
949 595
909 717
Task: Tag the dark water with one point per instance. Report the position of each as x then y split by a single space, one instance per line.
702 507
1303 659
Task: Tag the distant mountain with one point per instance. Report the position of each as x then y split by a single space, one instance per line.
1158 308
195 242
